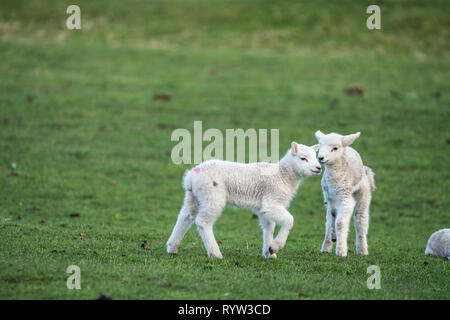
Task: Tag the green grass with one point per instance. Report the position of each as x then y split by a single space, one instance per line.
93 141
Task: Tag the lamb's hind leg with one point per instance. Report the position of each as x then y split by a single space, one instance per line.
206 216
362 222
184 221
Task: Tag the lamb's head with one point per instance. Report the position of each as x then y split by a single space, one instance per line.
305 160
332 146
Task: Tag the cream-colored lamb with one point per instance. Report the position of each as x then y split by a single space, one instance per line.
347 184
214 184
439 244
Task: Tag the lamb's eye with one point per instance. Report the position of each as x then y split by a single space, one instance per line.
334 149
304 159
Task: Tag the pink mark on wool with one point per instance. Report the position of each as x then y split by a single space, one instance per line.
196 170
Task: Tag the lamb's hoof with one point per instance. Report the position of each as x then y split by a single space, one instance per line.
216 256
273 250
275 247
341 254
326 248
269 255
171 250
334 240
363 253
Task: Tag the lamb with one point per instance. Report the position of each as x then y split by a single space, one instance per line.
265 188
439 244
346 184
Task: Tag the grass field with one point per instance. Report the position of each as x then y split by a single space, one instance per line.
94 177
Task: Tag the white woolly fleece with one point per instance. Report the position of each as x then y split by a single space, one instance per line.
439 244
265 188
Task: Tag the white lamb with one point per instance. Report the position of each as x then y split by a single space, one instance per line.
439 244
214 184
346 184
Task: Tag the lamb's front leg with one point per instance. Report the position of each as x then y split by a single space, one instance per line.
268 228
283 218
330 235
344 214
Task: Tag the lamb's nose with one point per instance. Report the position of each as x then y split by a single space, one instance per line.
319 168
320 159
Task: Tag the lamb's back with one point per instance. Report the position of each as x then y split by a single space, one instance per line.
355 168
240 179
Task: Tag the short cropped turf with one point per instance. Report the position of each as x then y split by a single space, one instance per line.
86 176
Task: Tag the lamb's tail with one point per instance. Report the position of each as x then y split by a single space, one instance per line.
187 180
189 202
370 177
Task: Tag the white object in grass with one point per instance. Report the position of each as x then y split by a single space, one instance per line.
439 244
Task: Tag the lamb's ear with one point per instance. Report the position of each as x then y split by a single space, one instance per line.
319 134
348 140
294 148
315 147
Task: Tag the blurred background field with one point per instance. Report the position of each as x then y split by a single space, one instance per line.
93 177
